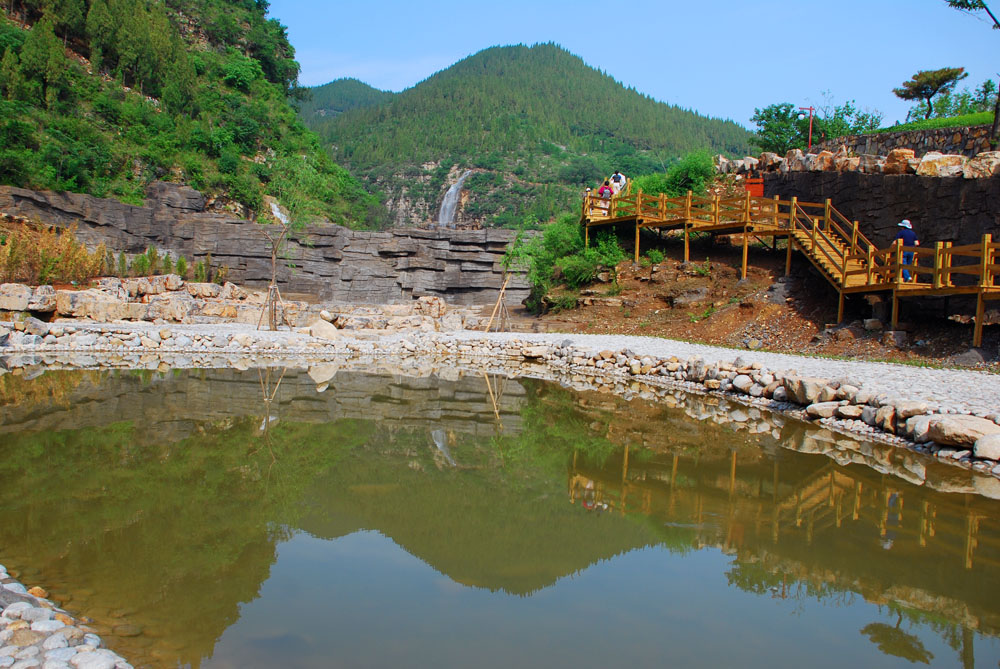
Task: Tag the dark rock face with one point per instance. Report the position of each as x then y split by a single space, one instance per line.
331 262
941 209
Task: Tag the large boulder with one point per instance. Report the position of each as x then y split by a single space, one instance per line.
983 166
898 161
824 161
14 296
43 298
722 164
323 330
961 430
935 164
93 304
795 161
847 163
770 160
871 164
804 389
988 446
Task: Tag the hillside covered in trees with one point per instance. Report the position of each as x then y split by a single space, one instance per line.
105 96
537 123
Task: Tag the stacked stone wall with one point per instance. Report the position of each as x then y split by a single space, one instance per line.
967 141
941 209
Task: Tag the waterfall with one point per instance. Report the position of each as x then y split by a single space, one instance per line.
278 214
446 219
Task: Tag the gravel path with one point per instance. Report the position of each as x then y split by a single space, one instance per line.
956 389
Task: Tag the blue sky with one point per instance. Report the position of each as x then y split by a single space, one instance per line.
721 58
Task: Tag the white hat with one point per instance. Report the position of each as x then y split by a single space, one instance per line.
905 223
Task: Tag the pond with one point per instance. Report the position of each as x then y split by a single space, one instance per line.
224 518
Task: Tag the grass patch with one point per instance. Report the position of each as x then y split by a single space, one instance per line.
981 118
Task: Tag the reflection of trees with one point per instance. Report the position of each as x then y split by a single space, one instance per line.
178 534
894 641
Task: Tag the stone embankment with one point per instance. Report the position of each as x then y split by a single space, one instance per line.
983 165
169 299
966 434
34 632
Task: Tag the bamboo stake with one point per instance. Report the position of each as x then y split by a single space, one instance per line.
496 307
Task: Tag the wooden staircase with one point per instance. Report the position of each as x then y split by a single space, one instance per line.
831 242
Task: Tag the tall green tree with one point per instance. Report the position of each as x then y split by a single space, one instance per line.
925 84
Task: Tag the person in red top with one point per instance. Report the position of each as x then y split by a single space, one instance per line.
605 192
909 238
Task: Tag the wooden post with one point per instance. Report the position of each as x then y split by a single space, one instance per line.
826 215
746 209
946 266
895 309
586 236
788 255
746 228
936 280
854 235
776 200
898 261
687 206
715 209
977 333
637 241
815 231
687 254
985 281
840 307
871 264
662 209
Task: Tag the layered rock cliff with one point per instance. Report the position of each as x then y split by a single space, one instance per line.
330 262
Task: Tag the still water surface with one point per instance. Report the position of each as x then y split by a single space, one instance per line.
477 521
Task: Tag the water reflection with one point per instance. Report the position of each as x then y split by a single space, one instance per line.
168 503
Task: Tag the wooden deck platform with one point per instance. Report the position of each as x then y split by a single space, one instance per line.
834 244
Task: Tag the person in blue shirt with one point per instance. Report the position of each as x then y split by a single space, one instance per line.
909 238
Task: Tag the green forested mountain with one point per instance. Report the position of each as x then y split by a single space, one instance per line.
340 96
104 96
537 122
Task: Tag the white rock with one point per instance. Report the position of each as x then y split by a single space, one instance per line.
988 446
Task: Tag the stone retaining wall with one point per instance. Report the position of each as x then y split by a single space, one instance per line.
967 141
330 262
941 209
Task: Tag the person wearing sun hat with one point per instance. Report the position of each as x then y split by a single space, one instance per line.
909 238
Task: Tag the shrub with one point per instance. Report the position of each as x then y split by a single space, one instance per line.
655 256
140 265
182 267
38 254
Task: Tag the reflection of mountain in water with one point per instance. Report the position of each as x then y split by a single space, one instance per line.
158 493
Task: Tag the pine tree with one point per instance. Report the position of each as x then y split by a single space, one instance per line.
11 79
925 84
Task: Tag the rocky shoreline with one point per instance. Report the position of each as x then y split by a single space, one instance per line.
34 632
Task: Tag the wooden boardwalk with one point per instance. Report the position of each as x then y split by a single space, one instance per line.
834 244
